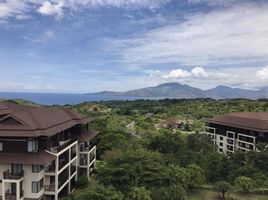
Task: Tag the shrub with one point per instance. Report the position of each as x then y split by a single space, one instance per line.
260 191
243 184
81 182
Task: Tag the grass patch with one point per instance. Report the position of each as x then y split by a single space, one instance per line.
211 195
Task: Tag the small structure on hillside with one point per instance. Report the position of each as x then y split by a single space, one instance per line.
174 123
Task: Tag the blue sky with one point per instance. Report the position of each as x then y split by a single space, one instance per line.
93 45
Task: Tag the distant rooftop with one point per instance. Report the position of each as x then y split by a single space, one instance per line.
28 121
256 121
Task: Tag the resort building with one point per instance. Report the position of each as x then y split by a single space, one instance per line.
238 131
42 151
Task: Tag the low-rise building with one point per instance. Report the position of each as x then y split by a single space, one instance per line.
238 131
42 151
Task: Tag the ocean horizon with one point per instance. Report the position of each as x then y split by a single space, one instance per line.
61 98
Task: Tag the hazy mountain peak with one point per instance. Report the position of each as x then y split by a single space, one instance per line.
184 91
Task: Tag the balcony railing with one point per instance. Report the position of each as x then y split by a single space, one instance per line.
73 154
86 148
50 188
230 141
62 179
10 175
11 196
50 168
92 158
62 163
62 145
83 161
73 169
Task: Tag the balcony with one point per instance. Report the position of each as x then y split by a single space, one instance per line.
83 162
62 179
50 188
85 148
11 196
50 168
92 157
62 145
230 141
73 169
13 176
63 163
73 154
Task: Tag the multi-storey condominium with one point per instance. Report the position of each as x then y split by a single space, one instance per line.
238 131
42 151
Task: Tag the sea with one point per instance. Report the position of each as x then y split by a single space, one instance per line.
61 98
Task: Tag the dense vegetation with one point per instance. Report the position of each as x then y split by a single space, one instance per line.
142 162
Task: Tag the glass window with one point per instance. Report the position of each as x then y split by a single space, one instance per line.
32 145
41 184
37 168
35 187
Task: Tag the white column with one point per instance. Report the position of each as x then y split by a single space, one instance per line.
56 177
3 190
17 190
70 165
88 162
77 159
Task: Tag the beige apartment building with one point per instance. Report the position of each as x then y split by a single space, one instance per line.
42 151
238 131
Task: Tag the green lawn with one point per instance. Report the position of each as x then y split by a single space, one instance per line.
210 195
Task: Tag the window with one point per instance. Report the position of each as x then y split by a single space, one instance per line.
221 144
1 146
32 145
221 138
37 186
17 169
221 150
37 168
41 184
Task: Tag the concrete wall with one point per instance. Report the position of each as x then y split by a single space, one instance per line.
29 177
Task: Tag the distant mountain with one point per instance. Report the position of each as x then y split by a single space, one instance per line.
184 91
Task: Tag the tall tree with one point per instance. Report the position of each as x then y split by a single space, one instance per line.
139 193
222 187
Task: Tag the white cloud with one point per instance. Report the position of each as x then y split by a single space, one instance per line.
12 8
215 2
195 73
262 74
178 73
15 8
229 36
49 8
199 72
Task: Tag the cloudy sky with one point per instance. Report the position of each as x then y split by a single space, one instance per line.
92 45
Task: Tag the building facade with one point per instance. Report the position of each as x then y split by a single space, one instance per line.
42 151
238 131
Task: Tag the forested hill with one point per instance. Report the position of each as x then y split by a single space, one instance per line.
138 159
180 91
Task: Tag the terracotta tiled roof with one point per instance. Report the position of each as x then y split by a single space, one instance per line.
27 121
256 121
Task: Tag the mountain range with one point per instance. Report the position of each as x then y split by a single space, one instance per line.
184 91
